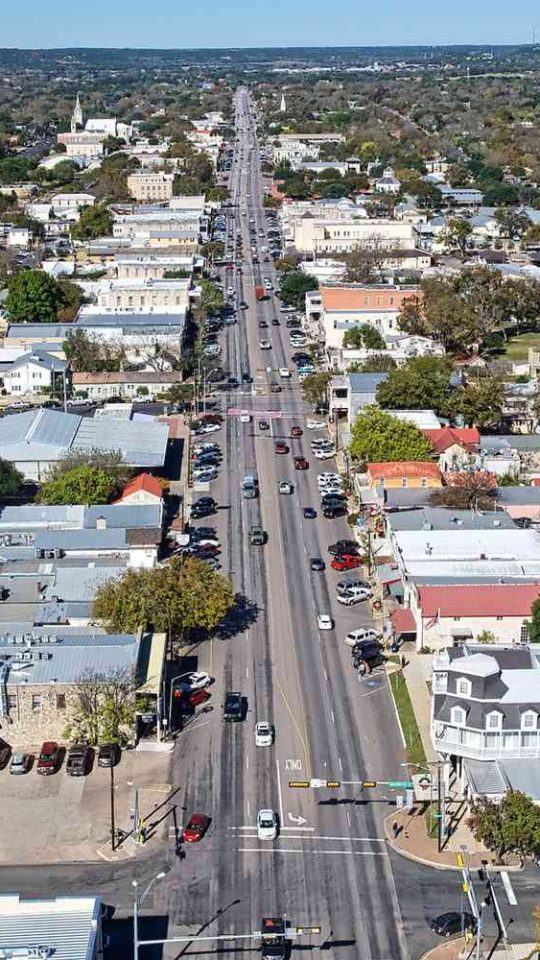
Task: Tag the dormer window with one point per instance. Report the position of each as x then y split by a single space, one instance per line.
464 687
494 720
459 716
529 720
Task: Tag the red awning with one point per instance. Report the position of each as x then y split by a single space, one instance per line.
403 620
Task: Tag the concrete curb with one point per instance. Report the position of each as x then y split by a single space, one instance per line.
434 863
435 950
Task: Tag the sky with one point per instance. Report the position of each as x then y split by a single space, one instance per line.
256 23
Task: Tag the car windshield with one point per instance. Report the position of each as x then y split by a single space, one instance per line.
266 822
47 756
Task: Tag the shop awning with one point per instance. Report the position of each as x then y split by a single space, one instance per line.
403 620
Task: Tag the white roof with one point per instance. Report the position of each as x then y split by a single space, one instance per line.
469 546
423 419
478 664
67 925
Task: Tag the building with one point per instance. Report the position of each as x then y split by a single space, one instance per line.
81 145
407 473
455 447
124 383
34 372
66 201
43 668
460 196
323 237
348 395
144 489
141 296
332 310
399 347
140 333
388 183
34 440
149 186
485 718
143 265
68 928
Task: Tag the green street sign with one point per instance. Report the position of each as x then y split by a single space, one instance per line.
401 784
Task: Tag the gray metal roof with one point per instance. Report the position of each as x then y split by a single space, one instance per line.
366 382
512 441
108 539
442 518
142 443
37 331
485 777
124 321
41 358
69 926
128 515
65 658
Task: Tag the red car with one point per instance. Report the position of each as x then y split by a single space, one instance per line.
49 758
300 463
281 447
196 828
296 432
192 698
346 561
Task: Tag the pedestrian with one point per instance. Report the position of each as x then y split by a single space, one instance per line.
403 661
395 829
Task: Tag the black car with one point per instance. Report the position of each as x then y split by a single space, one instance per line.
79 760
247 378
263 324
310 513
234 707
275 322
448 924
317 563
333 499
109 755
232 382
332 511
343 546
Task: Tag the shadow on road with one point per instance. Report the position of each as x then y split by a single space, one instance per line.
242 615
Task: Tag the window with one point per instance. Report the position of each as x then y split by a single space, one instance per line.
524 633
528 720
404 481
60 701
458 715
500 618
423 482
494 720
36 701
12 701
464 687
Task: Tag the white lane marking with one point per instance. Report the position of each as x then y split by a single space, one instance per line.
332 715
512 900
247 808
281 814
347 853
340 764
267 850
247 763
348 817
247 671
325 675
355 853
309 830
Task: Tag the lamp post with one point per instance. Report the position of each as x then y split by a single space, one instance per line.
138 901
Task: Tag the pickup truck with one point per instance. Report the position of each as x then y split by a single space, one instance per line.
79 760
233 710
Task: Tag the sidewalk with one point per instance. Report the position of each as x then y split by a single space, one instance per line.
417 673
412 840
454 949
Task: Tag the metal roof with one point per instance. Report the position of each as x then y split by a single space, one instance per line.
68 926
142 443
107 539
66 658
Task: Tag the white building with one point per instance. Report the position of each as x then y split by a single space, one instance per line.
141 296
150 186
332 310
33 372
388 183
325 237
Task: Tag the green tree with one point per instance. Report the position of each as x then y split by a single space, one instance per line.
211 297
457 234
82 484
513 825
34 297
513 223
91 355
94 222
10 479
439 313
294 286
378 437
179 596
378 363
480 402
103 708
533 625
422 383
363 335
314 388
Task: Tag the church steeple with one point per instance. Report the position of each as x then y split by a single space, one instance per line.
77 119
283 104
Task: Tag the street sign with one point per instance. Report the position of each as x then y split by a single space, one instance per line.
400 801
368 784
333 784
400 784
317 783
299 783
460 860
302 930
409 799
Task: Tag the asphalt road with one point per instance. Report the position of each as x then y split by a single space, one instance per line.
330 866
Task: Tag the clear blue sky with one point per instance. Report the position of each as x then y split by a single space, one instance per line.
254 23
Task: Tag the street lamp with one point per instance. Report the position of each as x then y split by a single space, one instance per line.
441 806
138 901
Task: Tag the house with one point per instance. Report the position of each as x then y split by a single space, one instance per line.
455 447
348 395
143 265
449 614
388 183
66 201
485 718
332 310
141 296
407 473
42 671
460 196
399 347
69 927
124 383
144 488
18 237
34 372
34 440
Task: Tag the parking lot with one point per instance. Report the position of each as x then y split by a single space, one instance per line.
60 818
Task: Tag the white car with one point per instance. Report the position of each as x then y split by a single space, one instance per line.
315 424
205 474
198 681
329 478
207 448
324 454
361 636
245 416
353 596
284 373
264 734
331 490
267 825
320 442
330 485
208 428
325 622
285 486
265 345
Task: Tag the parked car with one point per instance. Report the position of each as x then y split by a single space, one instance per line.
108 755
345 561
317 564
448 924
49 758
5 753
195 828
344 546
20 763
362 635
347 586
79 760
353 597
196 681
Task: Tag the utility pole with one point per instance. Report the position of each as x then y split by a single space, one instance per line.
113 819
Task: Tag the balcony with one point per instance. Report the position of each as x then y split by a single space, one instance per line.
485 744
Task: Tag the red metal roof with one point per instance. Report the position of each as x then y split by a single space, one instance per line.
403 620
404 468
484 600
144 481
468 437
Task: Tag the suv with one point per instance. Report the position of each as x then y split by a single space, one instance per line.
274 941
79 760
49 758
257 536
233 709
249 487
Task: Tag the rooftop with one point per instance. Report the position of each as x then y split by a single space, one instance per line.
65 658
413 469
67 926
353 297
480 600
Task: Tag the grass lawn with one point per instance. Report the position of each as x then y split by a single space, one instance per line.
517 347
415 749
